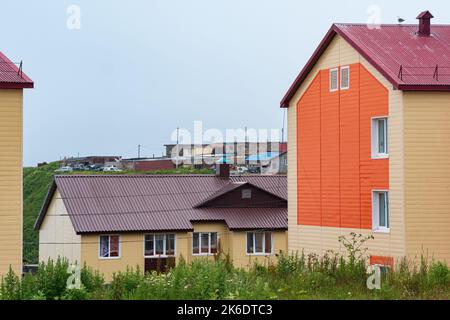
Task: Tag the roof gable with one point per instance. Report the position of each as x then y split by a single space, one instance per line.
407 60
230 196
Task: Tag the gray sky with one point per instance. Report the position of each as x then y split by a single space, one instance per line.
138 69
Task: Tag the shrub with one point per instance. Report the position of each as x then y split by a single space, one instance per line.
10 286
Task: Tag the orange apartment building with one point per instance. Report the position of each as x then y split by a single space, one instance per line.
12 83
369 141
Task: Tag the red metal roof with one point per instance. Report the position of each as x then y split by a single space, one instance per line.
129 203
11 77
407 60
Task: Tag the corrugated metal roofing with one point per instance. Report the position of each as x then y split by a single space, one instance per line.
407 60
11 76
399 46
107 203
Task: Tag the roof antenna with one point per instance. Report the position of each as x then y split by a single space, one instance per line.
400 20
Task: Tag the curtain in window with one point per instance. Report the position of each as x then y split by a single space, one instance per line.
104 246
114 246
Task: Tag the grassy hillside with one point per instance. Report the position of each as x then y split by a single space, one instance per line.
36 182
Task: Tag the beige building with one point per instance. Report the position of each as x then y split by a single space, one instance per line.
369 142
150 221
12 83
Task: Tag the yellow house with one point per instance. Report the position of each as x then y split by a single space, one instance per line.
12 83
110 222
369 141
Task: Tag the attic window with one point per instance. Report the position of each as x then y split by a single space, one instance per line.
345 78
334 81
246 193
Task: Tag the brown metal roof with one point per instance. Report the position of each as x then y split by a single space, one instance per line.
127 203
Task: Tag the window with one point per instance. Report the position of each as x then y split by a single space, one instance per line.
204 243
109 247
334 81
380 138
345 78
159 245
380 210
259 243
246 193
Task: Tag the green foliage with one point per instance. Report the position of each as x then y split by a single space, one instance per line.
51 278
299 276
36 182
10 288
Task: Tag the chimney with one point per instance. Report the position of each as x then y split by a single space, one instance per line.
425 23
223 170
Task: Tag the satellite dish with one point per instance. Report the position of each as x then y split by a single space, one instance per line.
400 20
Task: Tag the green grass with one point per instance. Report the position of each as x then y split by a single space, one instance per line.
290 278
36 182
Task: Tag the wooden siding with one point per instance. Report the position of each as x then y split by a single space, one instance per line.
56 235
10 180
427 174
319 239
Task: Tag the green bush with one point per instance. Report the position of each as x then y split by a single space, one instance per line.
10 288
299 276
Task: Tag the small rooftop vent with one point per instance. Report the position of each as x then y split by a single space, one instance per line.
425 23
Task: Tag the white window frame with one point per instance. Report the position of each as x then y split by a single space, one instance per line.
374 137
109 246
337 79
340 77
200 253
375 212
164 245
264 244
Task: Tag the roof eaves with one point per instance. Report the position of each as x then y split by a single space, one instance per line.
308 67
423 87
45 205
15 85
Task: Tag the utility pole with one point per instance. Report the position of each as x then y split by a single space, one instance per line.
139 151
178 148
245 147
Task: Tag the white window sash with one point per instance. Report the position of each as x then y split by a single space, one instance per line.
263 253
376 214
375 143
332 71
119 248
348 78
200 234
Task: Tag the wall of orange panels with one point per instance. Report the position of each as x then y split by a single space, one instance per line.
336 174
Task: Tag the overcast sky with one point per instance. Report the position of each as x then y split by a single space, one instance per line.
136 70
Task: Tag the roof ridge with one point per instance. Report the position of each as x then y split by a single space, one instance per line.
389 24
164 175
